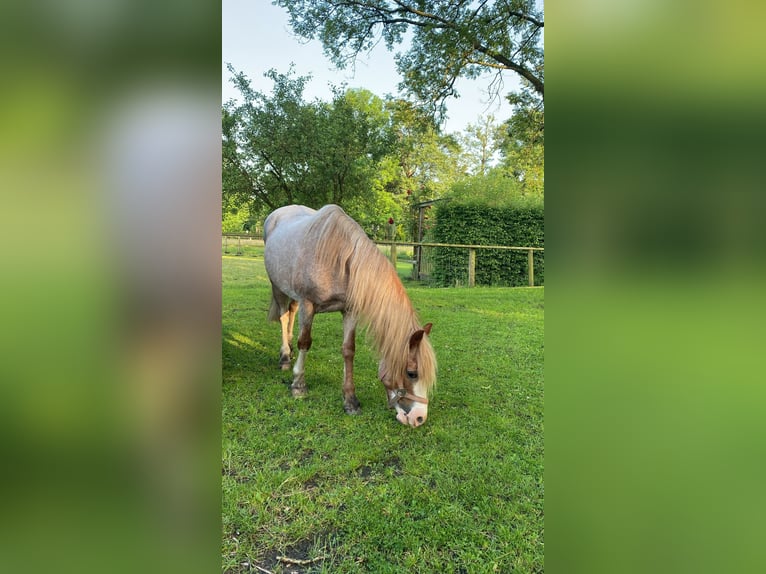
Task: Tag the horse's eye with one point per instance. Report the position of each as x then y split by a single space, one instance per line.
412 375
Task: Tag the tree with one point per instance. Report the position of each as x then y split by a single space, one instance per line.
448 39
429 161
352 138
265 140
279 149
523 143
480 144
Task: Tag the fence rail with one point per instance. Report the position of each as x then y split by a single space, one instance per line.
257 236
416 244
419 267
471 256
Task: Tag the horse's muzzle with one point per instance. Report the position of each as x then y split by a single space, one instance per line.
415 417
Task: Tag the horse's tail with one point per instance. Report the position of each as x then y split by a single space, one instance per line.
274 309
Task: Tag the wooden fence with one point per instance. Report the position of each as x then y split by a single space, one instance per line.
236 242
417 260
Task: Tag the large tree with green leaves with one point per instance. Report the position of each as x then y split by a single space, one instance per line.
447 39
265 140
279 149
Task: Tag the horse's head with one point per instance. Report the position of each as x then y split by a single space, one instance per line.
407 386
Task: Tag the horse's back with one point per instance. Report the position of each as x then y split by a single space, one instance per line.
295 239
284 214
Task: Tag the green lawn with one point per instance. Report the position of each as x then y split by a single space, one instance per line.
462 493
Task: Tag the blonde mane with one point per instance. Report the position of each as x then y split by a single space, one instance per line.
375 295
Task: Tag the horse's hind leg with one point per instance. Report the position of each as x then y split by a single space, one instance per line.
350 402
304 344
283 310
290 323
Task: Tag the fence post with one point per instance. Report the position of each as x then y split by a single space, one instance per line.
471 267
531 266
393 255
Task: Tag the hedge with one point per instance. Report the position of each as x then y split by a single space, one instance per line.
474 224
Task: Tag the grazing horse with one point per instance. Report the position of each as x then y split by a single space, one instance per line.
322 261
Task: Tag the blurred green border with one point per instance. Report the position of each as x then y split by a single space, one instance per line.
654 201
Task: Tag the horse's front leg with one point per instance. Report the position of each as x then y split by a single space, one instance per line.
350 402
304 344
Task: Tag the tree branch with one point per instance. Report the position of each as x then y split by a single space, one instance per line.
525 42
427 15
486 64
536 82
527 18
254 187
280 178
408 13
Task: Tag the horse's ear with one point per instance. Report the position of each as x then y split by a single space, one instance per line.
417 336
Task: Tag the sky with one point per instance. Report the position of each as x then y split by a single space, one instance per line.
257 37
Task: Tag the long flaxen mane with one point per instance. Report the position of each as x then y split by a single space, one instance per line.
375 295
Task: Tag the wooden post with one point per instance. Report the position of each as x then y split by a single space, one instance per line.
531 266
419 255
393 255
471 267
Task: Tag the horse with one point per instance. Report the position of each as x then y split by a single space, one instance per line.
321 261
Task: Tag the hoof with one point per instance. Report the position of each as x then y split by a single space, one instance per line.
352 406
285 366
299 393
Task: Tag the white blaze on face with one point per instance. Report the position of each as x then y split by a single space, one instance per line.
419 411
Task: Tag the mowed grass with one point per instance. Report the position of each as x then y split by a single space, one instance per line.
301 479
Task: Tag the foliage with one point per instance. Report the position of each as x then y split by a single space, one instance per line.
279 149
373 157
495 189
428 160
480 144
235 220
377 158
488 218
463 493
523 143
447 39
246 218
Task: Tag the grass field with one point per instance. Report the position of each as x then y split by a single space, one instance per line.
303 480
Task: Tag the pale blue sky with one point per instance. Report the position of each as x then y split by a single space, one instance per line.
257 37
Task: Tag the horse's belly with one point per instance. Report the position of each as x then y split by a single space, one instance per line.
330 306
